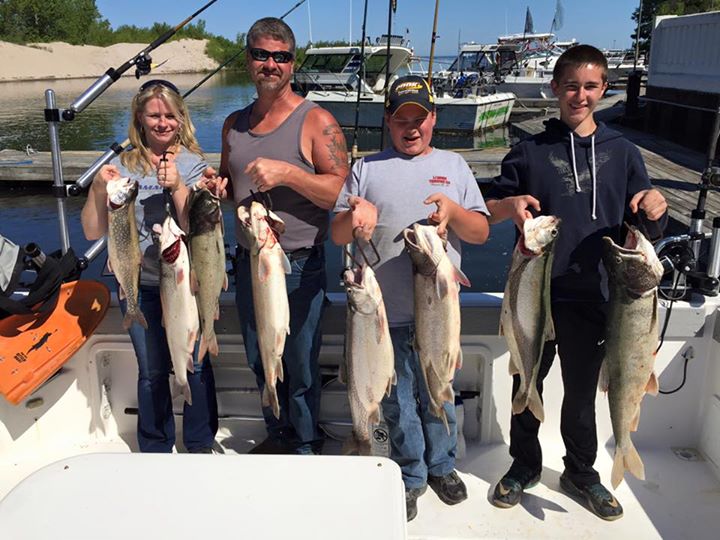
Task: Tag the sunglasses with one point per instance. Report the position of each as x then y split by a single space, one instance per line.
279 57
159 82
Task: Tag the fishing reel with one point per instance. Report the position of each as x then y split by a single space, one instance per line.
691 261
143 64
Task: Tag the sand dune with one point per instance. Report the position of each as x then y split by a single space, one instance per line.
62 61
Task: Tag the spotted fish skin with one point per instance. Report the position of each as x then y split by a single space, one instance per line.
124 246
526 317
268 264
634 272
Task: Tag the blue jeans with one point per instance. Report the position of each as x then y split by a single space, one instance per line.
156 423
299 393
419 441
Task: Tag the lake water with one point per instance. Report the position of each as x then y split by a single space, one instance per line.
30 214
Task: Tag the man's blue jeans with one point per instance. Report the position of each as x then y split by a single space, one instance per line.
419 441
299 393
156 423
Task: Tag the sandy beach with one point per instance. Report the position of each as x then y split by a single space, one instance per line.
58 60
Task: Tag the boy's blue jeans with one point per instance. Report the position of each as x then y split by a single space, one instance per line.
299 393
420 443
156 423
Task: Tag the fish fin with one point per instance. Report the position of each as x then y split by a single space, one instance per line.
213 345
121 293
342 372
443 416
459 360
270 399
374 415
626 461
520 402
194 284
286 264
535 404
216 316
280 372
391 381
225 283
512 368
203 348
636 420
604 377
549 327
652 387
460 277
137 317
379 326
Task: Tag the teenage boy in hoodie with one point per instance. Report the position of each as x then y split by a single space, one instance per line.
594 180
384 194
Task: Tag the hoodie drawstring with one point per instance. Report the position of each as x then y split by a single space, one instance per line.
594 172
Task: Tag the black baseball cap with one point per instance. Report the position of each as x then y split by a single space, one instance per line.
409 89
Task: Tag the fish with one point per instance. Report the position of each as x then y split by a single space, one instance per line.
369 370
436 291
179 308
268 264
207 263
526 315
634 273
125 258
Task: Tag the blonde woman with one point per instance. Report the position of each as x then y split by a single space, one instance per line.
165 160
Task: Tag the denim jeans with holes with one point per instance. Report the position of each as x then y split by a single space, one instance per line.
156 423
299 393
419 440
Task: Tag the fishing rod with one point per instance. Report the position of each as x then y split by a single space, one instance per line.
392 8
353 147
432 44
116 149
141 61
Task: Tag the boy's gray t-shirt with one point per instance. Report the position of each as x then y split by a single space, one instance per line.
397 185
150 208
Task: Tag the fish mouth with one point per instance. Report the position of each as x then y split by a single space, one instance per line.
352 278
172 252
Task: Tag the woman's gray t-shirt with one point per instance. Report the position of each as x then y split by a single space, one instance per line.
397 185
150 208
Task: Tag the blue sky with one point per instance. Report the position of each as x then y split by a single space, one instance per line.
603 23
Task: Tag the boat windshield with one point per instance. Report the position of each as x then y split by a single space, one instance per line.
472 61
332 63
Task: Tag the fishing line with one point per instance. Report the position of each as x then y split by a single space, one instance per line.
662 339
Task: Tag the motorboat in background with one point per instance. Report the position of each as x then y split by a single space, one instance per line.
329 76
621 62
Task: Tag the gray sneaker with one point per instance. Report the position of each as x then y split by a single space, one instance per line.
411 497
510 488
600 501
450 488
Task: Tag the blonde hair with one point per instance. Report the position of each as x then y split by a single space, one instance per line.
139 158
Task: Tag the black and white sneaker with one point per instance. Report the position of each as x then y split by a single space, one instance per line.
600 501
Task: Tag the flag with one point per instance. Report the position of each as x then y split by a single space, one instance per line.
394 5
528 22
557 21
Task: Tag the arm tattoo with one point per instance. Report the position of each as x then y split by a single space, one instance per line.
336 147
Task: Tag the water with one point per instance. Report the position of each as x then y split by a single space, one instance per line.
30 214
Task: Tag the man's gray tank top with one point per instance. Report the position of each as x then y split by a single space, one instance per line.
305 223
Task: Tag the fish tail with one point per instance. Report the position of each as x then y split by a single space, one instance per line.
186 393
270 399
626 460
134 315
535 404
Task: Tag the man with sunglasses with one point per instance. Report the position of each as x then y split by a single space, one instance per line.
291 154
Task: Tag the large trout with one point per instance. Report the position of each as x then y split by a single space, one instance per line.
207 259
124 245
437 313
634 273
525 318
269 264
179 309
370 366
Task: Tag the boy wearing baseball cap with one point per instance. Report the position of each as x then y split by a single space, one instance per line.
384 194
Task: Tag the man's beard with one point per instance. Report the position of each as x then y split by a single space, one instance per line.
267 83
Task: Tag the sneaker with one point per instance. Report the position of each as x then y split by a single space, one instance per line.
450 488
271 446
511 487
411 497
602 503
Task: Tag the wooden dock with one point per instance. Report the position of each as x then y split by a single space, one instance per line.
673 169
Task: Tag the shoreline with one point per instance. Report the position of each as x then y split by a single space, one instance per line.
59 61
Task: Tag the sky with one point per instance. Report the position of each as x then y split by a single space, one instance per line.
603 23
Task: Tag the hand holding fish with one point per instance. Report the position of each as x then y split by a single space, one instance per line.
444 211
651 201
214 183
364 216
517 209
267 173
104 175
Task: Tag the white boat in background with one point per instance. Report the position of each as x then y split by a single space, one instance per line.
621 62
329 77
